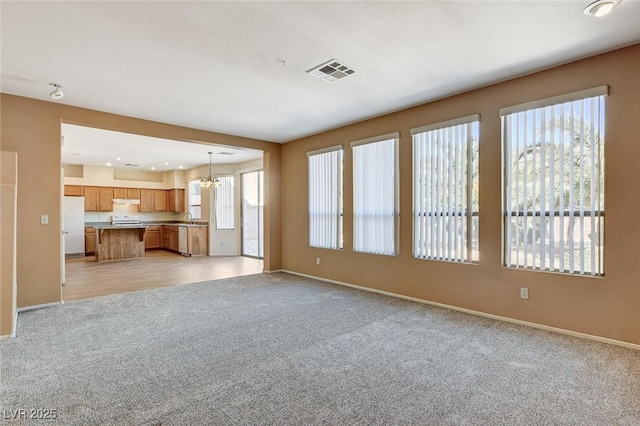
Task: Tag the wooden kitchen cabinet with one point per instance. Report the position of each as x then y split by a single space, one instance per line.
176 200
89 240
172 237
133 193
160 200
152 237
120 193
105 199
98 199
126 193
164 234
90 199
197 240
73 190
146 200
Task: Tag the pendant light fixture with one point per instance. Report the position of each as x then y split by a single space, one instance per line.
209 181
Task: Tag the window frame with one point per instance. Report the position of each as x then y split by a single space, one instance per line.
335 242
231 216
598 214
472 139
395 138
195 183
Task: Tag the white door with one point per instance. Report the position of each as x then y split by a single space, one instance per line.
73 225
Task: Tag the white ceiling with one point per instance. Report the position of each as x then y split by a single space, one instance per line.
218 65
96 147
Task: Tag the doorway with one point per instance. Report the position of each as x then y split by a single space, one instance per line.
252 190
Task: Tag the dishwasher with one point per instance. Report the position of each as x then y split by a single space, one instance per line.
183 241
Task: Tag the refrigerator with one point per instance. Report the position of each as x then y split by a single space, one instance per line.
73 226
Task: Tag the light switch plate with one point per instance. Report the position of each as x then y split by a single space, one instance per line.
44 219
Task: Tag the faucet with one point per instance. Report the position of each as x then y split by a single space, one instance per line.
190 217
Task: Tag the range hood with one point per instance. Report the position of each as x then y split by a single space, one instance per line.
125 201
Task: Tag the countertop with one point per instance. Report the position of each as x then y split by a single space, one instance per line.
107 225
121 227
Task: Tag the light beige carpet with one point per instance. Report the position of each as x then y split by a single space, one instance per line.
279 349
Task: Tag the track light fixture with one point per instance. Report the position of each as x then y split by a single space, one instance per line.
57 93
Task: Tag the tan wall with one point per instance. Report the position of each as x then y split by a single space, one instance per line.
32 129
607 307
8 199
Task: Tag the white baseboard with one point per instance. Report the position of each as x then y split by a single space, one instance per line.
223 254
44 305
478 313
5 338
274 271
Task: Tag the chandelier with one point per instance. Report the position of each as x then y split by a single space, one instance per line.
209 181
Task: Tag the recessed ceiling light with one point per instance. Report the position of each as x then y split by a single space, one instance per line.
166 163
153 168
600 8
118 158
180 167
108 164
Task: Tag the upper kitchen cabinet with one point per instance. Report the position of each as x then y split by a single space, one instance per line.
120 193
133 193
98 199
160 200
126 193
176 200
146 200
73 191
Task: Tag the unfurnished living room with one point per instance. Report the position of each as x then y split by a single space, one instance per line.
322 212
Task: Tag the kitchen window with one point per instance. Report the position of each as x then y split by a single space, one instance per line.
194 199
225 206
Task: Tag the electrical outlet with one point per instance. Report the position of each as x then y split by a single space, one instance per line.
44 219
524 293
317 260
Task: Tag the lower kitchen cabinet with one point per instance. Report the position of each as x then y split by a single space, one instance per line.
152 237
170 237
89 240
197 238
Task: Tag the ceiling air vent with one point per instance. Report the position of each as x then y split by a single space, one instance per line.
225 153
132 165
331 71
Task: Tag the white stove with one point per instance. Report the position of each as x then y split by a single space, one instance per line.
125 220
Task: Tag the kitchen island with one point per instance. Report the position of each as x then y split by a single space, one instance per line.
119 242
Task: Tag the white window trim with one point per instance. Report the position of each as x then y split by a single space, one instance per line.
395 136
543 103
554 100
340 224
469 119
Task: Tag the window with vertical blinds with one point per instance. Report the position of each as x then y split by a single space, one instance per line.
554 183
375 200
445 190
325 198
224 199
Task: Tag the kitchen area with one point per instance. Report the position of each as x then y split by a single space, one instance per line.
148 217
126 235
